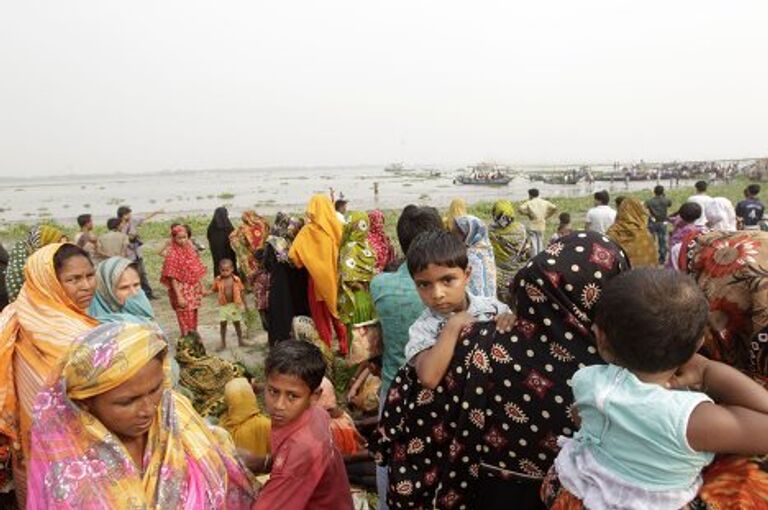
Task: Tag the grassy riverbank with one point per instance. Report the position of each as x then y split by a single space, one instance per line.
155 235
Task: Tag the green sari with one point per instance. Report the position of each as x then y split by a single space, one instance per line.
357 267
511 245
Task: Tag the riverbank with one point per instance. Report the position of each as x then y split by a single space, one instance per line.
155 235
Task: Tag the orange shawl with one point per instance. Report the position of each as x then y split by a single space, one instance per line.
316 247
36 331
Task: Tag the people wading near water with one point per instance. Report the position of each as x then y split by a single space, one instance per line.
602 215
182 275
219 230
130 226
537 210
316 247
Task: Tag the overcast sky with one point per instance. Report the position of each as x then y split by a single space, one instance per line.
98 86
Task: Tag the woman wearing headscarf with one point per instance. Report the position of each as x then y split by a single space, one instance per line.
219 230
379 241
246 240
511 246
182 274
243 419
287 283
36 331
119 296
37 237
482 279
488 433
729 267
93 451
720 215
630 231
357 267
457 207
316 247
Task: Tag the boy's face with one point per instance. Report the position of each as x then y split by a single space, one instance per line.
225 270
443 289
287 397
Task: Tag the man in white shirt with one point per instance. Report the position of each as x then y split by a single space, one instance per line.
341 210
702 199
602 215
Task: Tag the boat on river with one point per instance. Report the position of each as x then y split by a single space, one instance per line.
484 174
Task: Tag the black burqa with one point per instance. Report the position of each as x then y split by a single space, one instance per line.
3 266
218 239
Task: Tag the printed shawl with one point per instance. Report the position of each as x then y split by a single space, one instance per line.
630 231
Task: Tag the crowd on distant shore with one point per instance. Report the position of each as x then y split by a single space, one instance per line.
618 365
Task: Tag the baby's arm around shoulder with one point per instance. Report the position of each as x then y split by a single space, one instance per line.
432 363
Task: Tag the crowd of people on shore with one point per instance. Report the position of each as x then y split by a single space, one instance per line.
621 365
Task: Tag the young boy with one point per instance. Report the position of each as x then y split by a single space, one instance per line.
750 210
86 239
112 243
231 299
307 469
563 229
439 267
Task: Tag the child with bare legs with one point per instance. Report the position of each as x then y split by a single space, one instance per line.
231 294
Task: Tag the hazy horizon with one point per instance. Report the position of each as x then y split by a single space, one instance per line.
104 87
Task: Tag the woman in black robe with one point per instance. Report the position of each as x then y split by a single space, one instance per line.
218 239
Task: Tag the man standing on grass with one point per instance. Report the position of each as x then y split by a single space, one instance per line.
129 226
750 210
657 223
538 211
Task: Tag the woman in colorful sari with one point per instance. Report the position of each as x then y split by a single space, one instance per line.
39 236
35 333
482 279
219 230
119 296
316 247
246 239
511 246
630 231
457 207
110 433
182 274
488 433
287 283
243 419
379 241
357 267
729 267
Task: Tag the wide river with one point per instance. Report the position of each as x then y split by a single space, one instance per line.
265 190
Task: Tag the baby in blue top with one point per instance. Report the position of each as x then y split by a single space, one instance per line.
653 418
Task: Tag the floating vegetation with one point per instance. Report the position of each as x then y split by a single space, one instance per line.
209 196
19 189
152 201
226 195
82 187
86 206
199 197
423 197
65 206
102 187
407 184
114 201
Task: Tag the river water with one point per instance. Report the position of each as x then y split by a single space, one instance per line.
265 190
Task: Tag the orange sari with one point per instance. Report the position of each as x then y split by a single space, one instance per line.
36 331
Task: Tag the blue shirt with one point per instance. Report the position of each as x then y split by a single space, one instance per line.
750 211
398 305
637 430
424 332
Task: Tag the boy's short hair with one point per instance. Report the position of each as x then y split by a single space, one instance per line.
603 197
564 218
753 189
337 205
83 220
297 358
224 262
122 211
690 212
658 190
413 221
113 223
701 186
438 247
653 318
533 193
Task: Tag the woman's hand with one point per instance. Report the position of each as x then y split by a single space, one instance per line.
181 302
505 322
690 375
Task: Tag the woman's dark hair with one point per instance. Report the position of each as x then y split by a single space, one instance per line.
437 247
66 252
413 221
690 212
297 358
653 318
186 227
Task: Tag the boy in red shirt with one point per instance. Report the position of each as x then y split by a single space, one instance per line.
231 299
307 470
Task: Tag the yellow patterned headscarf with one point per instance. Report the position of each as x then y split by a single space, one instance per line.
630 231
78 463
